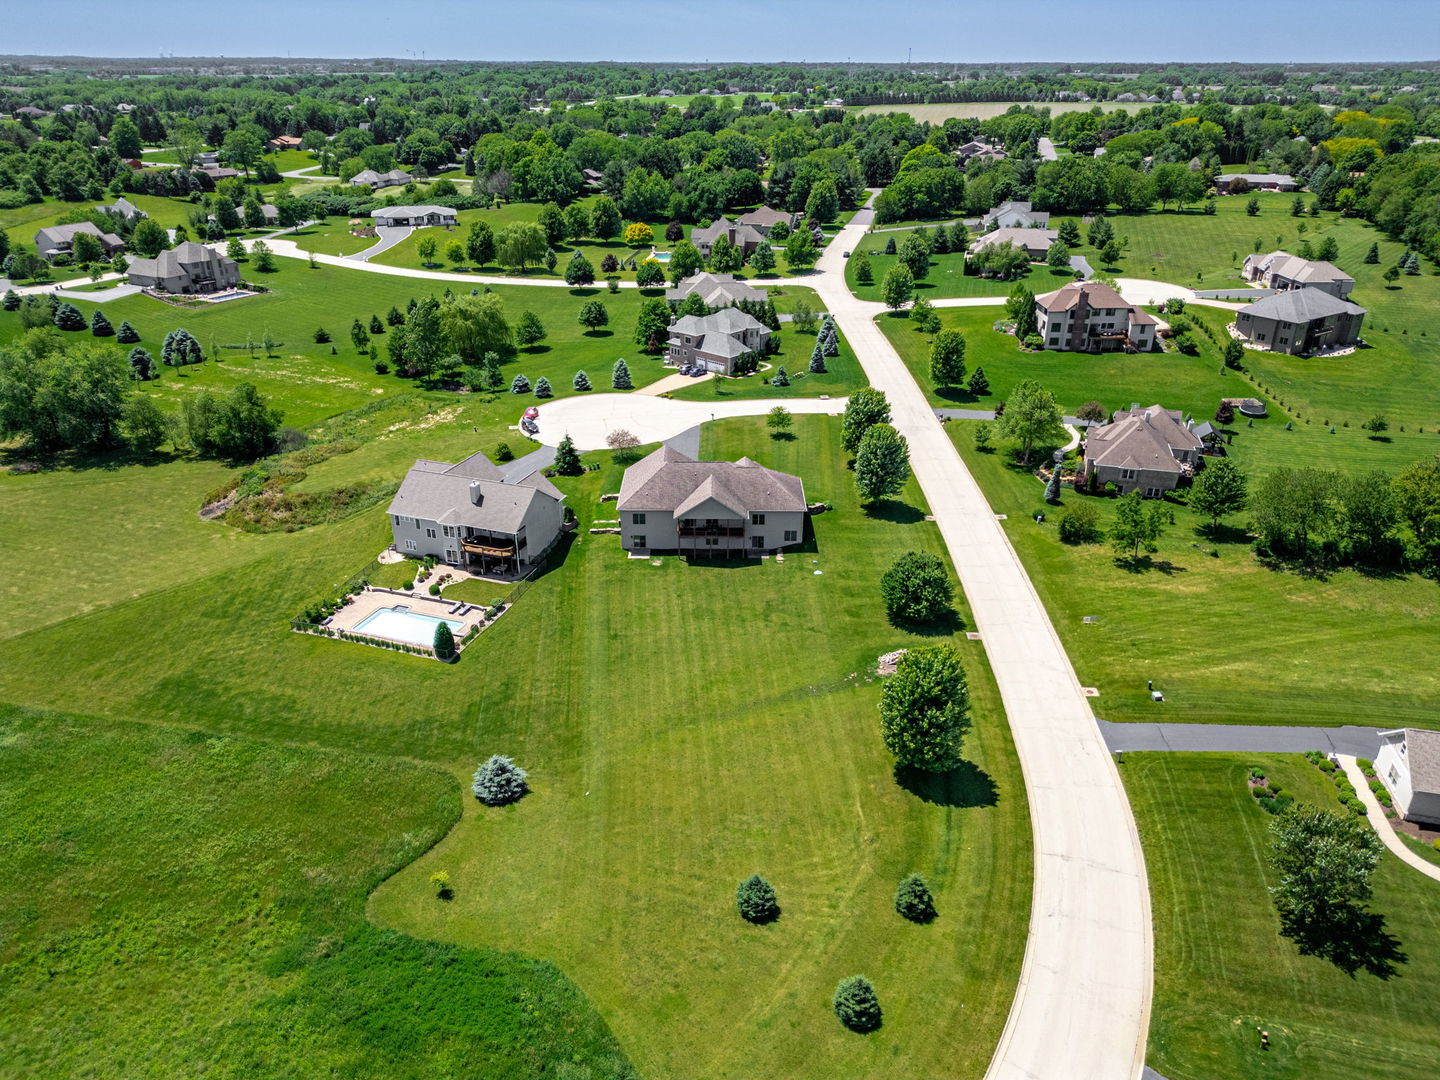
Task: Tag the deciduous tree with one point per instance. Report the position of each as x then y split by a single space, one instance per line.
916 587
882 463
925 709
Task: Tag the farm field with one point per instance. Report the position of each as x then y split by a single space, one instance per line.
1221 968
1259 645
722 712
939 112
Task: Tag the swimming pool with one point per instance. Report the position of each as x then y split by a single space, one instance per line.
399 623
659 256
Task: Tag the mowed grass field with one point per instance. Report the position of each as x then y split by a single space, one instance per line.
718 716
178 903
1225 637
1221 968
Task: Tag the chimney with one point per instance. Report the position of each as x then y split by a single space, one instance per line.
476 495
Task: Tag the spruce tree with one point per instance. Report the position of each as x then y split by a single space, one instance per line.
142 365
581 381
180 348
817 359
11 301
978 383
376 326
1373 255
620 375
1052 487
755 900
856 1004
499 781
68 317
100 325
567 458
444 641
127 334
520 385
542 388
780 378
914 901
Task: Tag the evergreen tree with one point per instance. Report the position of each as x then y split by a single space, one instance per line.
444 641
620 375
542 388
567 458
856 1004
1020 306
322 336
882 463
180 348
127 334
914 901
68 317
11 302
1373 255
1052 486
520 385
762 259
499 781
376 326
780 378
142 365
978 383
1069 231
100 325
755 899
394 317
1101 232
581 381
890 245
817 359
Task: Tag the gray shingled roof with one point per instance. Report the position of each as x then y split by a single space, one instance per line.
411 211
443 493
716 290
49 239
724 321
1140 439
1422 751
1298 269
1301 305
672 482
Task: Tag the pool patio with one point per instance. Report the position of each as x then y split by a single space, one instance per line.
376 599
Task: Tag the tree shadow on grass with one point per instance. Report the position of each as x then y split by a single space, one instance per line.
1220 533
957 394
536 350
1143 564
599 333
944 625
894 511
1352 940
966 785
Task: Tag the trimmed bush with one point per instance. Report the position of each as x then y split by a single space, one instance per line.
913 900
755 900
856 1004
499 781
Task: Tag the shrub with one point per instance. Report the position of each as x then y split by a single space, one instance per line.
916 587
499 781
444 638
1080 524
504 453
435 591
441 881
913 900
382 368
755 900
856 1004
1325 765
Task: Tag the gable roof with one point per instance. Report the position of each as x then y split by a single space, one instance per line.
1039 218
764 217
435 491
123 207
411 211
720 227
49 239
1422 757
1301 305
1298 269
1097 295
1256 178
716 290
1022 238
1141 439
672 482
724 321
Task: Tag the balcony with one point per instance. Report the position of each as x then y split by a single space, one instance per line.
492 547
711 530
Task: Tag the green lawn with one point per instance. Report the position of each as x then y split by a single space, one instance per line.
178 903
946 276
1227 639
1221 968
702 764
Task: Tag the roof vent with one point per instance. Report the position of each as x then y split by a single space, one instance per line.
476 495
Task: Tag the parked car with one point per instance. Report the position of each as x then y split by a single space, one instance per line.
847 254
696 372
529 426
531 413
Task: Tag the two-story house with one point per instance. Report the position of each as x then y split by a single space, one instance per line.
1281 271
714 341
58 240
717 290
1145 450
1300 321
671 502
1087 316
470 514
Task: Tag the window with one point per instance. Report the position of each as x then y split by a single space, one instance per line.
1259 337
1394 775
757 541
1244 318
1152 493
430 533
1127 474
396 518
791 536
1282 341
712 541
450 531
637 541
757 519
637 519
410 545
1054 341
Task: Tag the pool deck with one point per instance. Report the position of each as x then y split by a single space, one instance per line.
373 600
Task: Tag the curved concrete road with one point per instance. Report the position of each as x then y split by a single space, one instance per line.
1082 1006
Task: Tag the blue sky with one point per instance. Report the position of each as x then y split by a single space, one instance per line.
737 30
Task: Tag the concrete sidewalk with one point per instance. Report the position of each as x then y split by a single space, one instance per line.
1082 1004
1381 824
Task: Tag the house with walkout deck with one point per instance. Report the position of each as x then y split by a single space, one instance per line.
1300 321
1282 271
719 509
1088 316
1409 766
715 341
472 515
1144 450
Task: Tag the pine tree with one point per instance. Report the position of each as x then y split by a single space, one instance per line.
856 1004
914 901
100 325
755 899
542 388
68 317
394 316
817 359
444 643
780 378
127 334
1373 255
978 383
376 326
620 375
142 365
581 381
520 385
890 246
499 781
567 458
